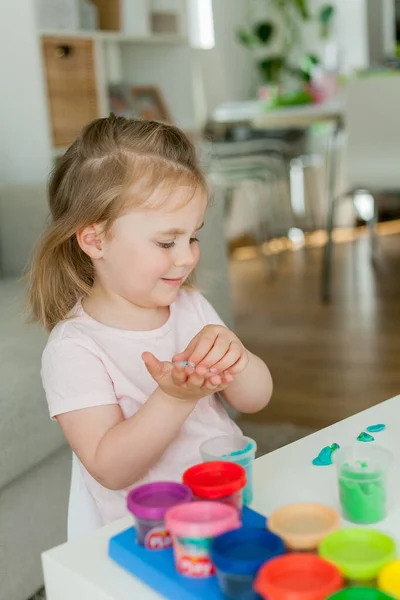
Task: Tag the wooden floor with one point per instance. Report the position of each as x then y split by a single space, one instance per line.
327 361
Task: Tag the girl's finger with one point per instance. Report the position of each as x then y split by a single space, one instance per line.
212 386
183 356
203 347
230 358
179 375
216 354
227 378
239 365
195 381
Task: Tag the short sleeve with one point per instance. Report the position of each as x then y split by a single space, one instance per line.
74 378
210 315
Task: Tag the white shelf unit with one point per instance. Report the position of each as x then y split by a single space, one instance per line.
166 61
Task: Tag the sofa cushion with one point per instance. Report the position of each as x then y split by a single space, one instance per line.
27 436
23 215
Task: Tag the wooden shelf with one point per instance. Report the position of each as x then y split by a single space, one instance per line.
116 36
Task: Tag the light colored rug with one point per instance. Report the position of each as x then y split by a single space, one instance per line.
268 436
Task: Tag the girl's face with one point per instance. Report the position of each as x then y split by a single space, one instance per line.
151 252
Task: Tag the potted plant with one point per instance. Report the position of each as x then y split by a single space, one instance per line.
284 67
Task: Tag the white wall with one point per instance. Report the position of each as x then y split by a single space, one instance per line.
24 135
170 69
228 69
389 25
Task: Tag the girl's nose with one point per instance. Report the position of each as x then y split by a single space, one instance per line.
185 258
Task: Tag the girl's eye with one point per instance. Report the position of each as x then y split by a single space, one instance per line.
166 245
192 240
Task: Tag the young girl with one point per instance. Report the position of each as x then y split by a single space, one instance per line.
136 356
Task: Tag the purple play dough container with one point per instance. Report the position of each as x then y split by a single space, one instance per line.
148 503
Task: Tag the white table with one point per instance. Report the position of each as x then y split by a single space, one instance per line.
300 116
82 570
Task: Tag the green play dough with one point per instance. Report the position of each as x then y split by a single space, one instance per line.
363 496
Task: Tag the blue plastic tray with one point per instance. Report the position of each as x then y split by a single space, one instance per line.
157 569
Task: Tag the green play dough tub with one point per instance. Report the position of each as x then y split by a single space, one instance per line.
363 496
362 472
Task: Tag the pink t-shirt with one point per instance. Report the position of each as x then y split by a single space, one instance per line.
86 363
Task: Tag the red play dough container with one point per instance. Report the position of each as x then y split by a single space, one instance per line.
298 577
218 481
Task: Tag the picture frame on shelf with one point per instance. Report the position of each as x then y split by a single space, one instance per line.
150 104
120 101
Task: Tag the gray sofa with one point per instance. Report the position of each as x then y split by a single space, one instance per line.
35 462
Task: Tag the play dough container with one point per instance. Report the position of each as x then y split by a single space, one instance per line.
149 503
238 555
238 449
219 481
359 554
294 576
358 593
193 527
362 477
389 579
303 526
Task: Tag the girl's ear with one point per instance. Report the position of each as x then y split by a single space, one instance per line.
90 240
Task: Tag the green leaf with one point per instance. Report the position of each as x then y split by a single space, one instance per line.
303 8
309 61
325 18
326 14
247 38
271 68
264 31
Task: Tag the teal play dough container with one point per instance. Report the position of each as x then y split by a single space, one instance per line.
238 449
362 472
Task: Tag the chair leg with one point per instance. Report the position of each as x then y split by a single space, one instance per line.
372 225
327 262
331 190
271 259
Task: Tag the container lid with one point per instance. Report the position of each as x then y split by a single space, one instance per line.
360 594
215 479
202 519
304 525
358 553
151 501
244 550
298 577
389 578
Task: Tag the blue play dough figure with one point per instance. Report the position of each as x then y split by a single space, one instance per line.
365 437
324 458
376 428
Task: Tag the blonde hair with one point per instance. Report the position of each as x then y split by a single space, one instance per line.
115 163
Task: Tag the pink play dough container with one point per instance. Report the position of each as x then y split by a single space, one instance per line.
192 527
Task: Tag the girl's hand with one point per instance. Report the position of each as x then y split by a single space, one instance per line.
215 350
183 381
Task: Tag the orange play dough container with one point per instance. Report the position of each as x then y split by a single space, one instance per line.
303 526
